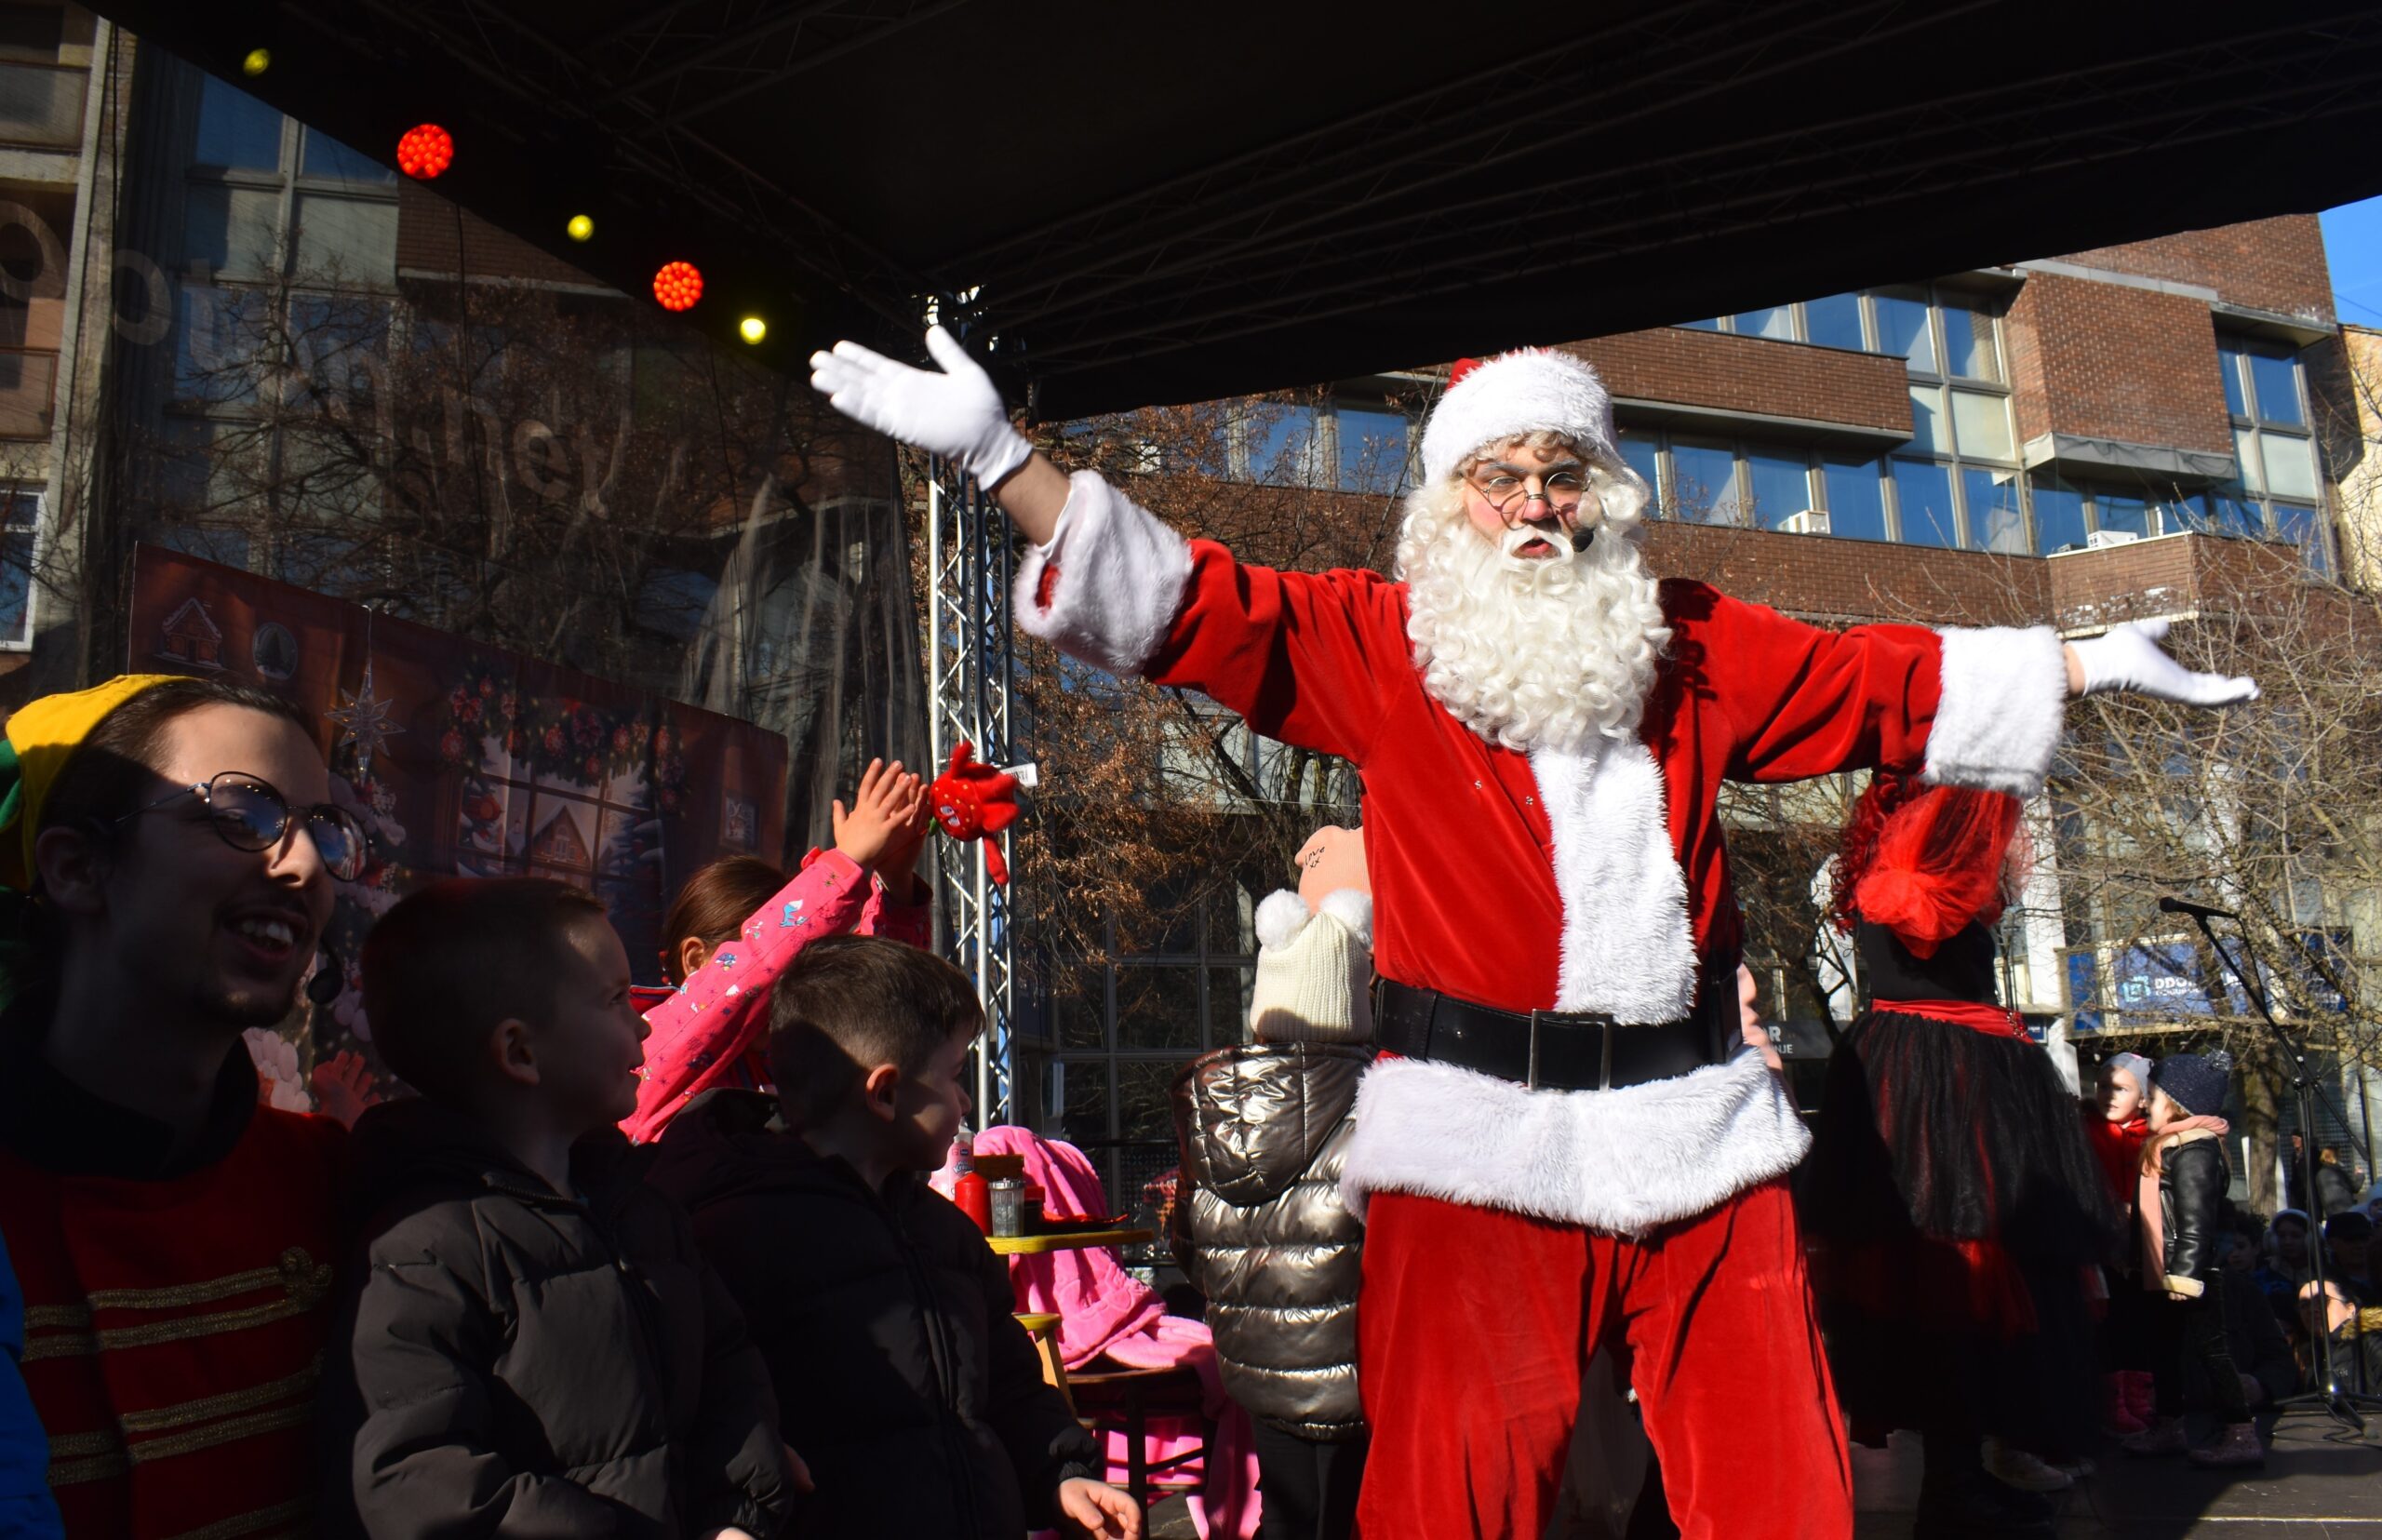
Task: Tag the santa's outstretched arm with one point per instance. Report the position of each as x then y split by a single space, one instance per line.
957 413
1295 655
1968 707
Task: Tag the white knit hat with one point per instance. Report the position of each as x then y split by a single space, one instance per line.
1535 390
1314 970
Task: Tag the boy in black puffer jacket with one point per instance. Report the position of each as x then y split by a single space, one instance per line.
885 1319
534 1345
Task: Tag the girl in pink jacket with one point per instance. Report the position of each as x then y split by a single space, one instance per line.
712 1028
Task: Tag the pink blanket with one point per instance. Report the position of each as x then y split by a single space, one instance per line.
1104 1310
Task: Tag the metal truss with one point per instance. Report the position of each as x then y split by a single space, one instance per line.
971 659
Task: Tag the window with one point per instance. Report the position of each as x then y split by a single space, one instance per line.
1924 502
1351 445
1856 498
1704 482
1834 322
17 530
1956 483
1776 323
1645 456
1778 486
2068 514
2280 485
290 241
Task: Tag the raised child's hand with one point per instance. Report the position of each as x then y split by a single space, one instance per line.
887 800
1096 1508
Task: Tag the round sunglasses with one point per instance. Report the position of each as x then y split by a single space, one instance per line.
249 814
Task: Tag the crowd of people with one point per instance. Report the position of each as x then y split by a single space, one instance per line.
1501 1137
484 1310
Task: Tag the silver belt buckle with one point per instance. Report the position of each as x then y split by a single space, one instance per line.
1530 1080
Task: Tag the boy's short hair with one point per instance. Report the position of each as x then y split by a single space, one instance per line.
456 958
849 1003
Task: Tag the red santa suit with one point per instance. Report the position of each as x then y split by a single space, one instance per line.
1511 1228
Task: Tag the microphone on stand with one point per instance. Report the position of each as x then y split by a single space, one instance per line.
2170 905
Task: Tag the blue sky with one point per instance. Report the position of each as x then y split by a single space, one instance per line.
2353 251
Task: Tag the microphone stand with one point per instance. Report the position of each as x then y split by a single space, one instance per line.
2342 1406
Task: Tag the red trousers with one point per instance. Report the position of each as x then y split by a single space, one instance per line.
1474 1328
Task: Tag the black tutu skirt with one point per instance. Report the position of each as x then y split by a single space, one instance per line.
1955 1216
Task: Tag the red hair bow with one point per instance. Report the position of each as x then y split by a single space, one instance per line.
971 801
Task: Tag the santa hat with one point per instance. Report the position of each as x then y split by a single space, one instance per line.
1535 390
1314 970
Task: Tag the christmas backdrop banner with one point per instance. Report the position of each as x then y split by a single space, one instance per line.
462 759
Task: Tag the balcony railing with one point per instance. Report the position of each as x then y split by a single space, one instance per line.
28 391
42 104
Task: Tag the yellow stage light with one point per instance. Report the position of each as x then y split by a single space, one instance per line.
257 61
580 227
751 329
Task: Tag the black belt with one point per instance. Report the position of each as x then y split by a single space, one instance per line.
1550 1049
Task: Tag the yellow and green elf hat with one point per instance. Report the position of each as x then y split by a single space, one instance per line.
41 735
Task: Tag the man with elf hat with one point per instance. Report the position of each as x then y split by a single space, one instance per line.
169 852
1563 1144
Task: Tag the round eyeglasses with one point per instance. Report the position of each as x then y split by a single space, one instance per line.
1502 490
249 814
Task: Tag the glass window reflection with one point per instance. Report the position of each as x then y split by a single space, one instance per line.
1993 511
2059 516
1923 500
1706 486
1780 486
1834 322
2275 385
1856 500
1902 327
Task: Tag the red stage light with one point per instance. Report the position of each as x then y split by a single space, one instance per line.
677 286
425 151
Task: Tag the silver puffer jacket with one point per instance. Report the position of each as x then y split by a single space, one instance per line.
1259 1227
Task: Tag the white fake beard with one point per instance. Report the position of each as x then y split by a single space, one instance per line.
1553 652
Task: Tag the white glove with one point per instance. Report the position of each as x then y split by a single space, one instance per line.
956 414
2130 658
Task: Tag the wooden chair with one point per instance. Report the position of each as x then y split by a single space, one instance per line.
1110 1396
1044 1329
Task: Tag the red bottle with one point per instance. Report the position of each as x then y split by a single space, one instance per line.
968 1190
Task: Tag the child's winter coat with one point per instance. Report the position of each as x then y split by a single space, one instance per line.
910 1390
518 1363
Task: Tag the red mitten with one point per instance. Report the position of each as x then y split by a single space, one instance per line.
973 800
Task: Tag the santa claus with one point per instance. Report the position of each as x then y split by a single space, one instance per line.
1566 1142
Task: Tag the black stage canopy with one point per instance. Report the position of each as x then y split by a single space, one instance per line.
1144 202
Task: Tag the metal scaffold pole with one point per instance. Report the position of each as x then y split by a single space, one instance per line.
971 654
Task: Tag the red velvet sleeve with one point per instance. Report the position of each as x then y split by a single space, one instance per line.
1800 701
1301 657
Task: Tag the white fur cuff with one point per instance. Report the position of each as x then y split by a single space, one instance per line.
1122 575
2005 695
1622 1161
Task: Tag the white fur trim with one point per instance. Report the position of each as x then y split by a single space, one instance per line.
1354 909
1627 950
2004 701
1121 578
1282 915
1531 391
1622 1161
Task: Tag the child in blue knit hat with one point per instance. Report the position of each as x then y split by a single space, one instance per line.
2184 1178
